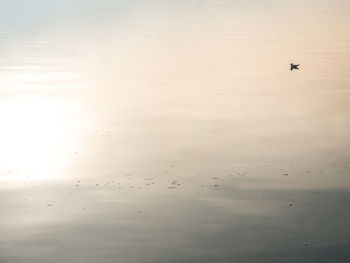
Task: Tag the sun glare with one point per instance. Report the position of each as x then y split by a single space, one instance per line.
34 137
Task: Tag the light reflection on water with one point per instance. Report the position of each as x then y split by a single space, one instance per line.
161 131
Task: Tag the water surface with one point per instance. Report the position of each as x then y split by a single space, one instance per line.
174 131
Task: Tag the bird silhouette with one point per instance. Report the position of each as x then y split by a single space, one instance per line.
294 66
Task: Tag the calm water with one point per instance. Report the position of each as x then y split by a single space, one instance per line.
174 131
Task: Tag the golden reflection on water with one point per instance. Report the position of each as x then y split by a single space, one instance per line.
174 129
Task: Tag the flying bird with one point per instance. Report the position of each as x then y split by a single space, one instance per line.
294 66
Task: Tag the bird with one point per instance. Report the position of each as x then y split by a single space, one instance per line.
294 66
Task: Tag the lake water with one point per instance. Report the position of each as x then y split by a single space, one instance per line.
174 131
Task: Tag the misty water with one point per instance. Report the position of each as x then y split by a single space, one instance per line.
174 131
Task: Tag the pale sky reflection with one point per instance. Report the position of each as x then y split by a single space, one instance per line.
174 131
